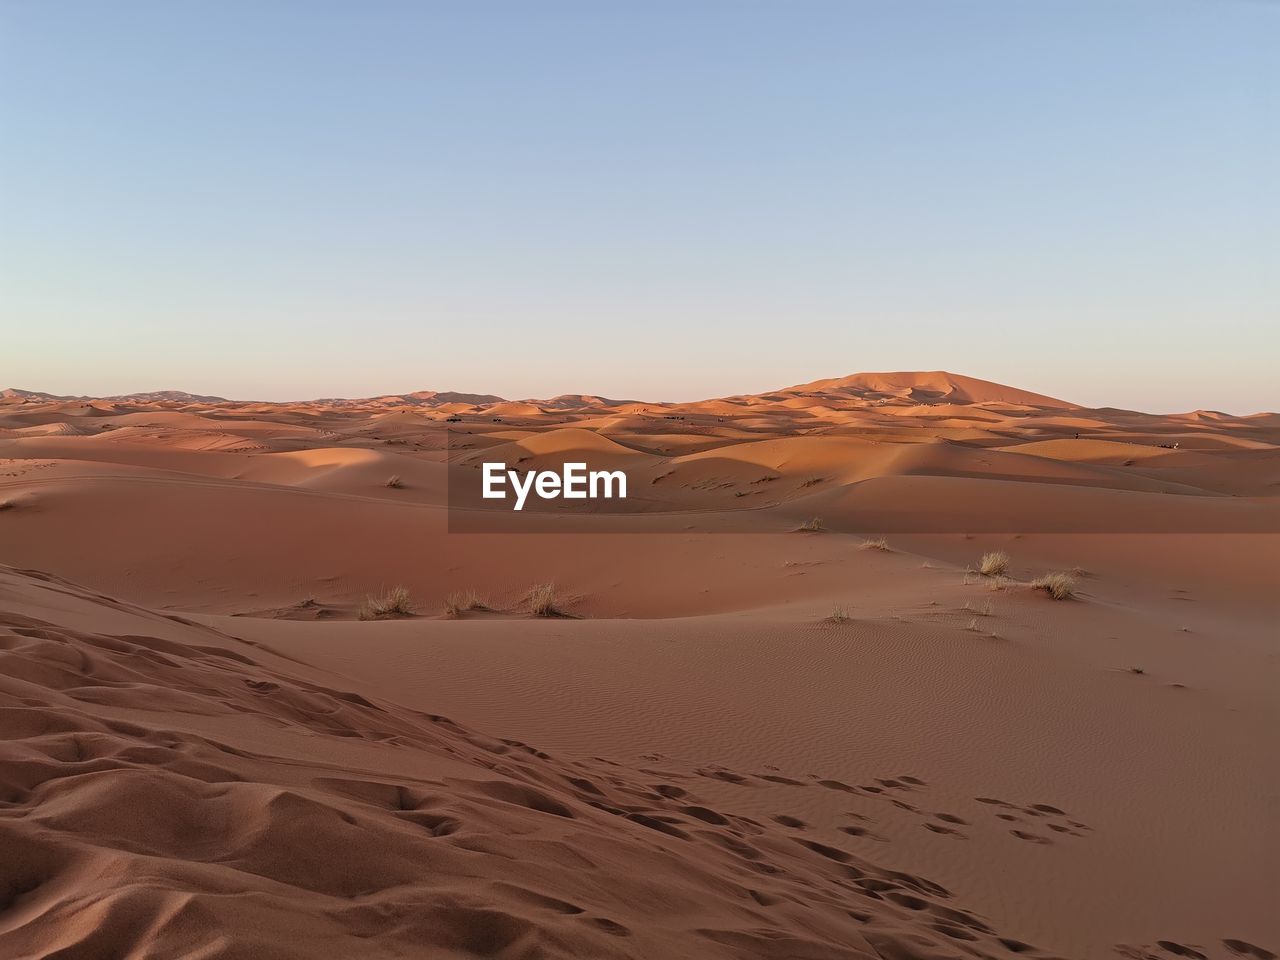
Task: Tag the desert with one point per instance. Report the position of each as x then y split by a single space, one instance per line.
639 480
890 665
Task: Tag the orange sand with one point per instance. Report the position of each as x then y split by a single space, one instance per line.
204 753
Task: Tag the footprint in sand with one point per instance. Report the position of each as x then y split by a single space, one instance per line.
1245 949
1044 812
893 784
611 927
1179 950
1045 808
1030 837
1059 828
1241 948
838 785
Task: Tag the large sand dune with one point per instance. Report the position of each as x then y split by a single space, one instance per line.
780 742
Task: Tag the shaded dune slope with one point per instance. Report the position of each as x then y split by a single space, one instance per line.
345 825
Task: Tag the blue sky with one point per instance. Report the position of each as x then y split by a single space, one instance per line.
659 200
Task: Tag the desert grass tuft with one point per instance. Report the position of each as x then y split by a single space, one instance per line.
7 504
879 543
464 601
542 600
994 564
1060 586
394 481
812 525
395 603
839 615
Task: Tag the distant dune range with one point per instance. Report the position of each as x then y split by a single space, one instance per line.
796 741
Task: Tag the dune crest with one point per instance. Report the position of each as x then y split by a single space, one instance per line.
818 709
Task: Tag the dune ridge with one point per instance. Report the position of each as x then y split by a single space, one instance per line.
133 826
814 738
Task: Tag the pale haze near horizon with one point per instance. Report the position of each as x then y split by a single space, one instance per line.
660 201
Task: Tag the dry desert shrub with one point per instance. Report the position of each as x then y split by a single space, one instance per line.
394 481
395 603
463 601
812 525
839 615
880 543
1060 586
7 505
542 600
994 564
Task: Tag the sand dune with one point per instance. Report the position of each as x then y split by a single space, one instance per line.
936 386
747 734
171 790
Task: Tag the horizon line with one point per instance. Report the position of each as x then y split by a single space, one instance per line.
480 399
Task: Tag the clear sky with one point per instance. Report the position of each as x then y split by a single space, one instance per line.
653 200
